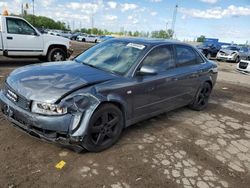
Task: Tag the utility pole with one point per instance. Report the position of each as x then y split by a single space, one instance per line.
174 18
22 9
92 20
33 7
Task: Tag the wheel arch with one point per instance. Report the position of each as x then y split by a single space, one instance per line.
210 83
116 103
61 46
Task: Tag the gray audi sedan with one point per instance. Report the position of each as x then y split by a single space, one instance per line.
87 102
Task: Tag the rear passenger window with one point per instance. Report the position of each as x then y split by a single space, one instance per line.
185 55
160 58
199 59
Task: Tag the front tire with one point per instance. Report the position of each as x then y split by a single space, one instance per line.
237 60
56 54
200 101
104 129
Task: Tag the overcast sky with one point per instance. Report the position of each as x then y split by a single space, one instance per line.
228 20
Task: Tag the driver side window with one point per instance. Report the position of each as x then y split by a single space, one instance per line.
160 58
17 26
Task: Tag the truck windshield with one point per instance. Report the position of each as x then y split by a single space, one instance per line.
113 56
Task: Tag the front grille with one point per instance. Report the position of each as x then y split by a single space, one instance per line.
243 65
20 101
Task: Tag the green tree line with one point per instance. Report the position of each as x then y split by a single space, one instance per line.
48 23
45 22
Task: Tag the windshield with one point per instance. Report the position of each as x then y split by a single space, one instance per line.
112 56
232 48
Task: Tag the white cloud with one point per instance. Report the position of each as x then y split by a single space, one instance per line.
153 13
209 1
130 17
46 3
111 18
135 21
112 4
3 4
217 12
128 6
156 1
88 8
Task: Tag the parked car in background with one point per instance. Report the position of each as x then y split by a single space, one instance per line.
81 37
244 53
18 38
75 35
87 102
230 53
53 33
209 50
65 34
104 38
244 66
87 38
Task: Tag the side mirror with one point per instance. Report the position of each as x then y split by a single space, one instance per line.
146 70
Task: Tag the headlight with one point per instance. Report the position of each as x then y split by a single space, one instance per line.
47 109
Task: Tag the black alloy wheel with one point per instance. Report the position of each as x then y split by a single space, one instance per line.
201 100
104 129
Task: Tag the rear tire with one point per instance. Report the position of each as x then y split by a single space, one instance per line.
105 127
56 54
200 101
83 40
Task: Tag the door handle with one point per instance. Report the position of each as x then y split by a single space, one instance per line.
9 38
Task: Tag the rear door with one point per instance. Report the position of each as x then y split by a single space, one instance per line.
190 67
22 38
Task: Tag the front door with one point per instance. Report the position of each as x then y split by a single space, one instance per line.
153 93
22 39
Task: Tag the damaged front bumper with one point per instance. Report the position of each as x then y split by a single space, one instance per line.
50 128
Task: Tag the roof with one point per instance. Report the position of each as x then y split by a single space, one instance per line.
149 41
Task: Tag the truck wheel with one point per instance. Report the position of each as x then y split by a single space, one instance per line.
83 40
56 54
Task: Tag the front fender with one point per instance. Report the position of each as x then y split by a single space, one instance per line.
84 116
54 40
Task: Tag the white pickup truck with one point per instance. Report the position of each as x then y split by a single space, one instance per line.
18 38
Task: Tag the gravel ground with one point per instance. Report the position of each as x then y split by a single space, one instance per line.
183 148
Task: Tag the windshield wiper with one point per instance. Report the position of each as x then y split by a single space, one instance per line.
82 62
93 66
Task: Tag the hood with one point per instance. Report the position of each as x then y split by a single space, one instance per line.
48 82
227 51
57 39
